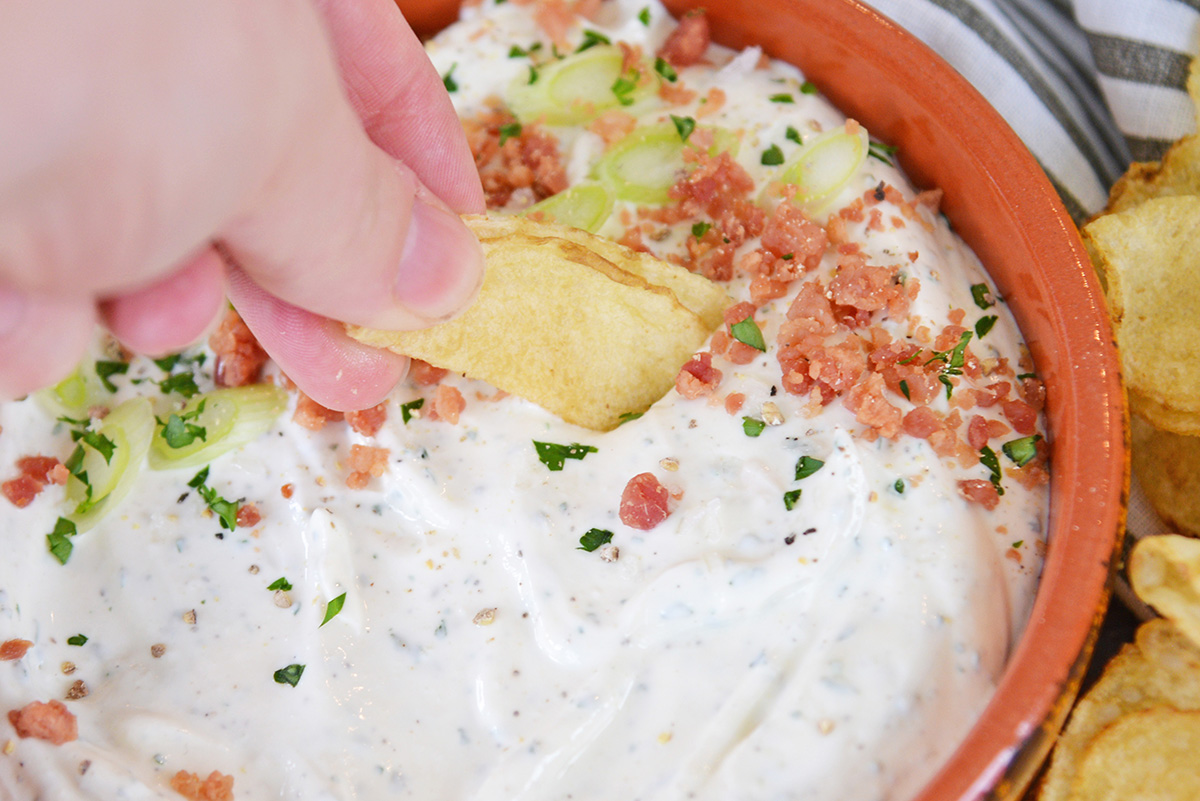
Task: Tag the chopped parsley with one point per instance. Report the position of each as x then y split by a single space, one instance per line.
58 542
78 639
225 510
625 417
555 456
772 156
684 126
181 383
899 486
1018 543
408 410
591 39
700 229
748 333
752 426
952 361
289 675
280 583
509 130
984 324
790 499
333 607
169 363
533 75
97 442
1021 450
806 466
665 70
624 87
644 16
179 432
983 296
106 370
880 151
808 88
782 97
1023 376
792 135
987 457
516 51
448 79
904 389
594 538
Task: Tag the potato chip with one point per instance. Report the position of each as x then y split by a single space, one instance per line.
1149 755
1161 668
1165 573
1168 469
1177 174
1151 266
561 322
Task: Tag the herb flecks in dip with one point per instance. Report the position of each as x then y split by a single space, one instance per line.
799 574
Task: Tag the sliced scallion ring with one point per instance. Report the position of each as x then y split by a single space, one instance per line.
579 87
128 428
230 417
824 165
585 206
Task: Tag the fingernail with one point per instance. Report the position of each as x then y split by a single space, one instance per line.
441 268
12 310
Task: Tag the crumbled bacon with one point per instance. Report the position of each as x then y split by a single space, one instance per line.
50 721
1020 415
425 374
12 650
248 515
365 462
37 467
216 787
239 357
312 415
698 377
525 169
644 502
976 490
448 403
21 490
613 125
872 409
1033 392
689 41
734 402
789 234
368 421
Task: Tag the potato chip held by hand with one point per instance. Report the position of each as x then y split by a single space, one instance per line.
587 329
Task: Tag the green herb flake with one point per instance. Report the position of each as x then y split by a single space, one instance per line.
1018 543
881 152
772 156
625 417
644 16
280 583
78 639
899 486
1023 376
664 69
808 88
904 389
984 324
508 131
180 383
289 675
1022 450
748 333
683 126
782 97
987 457
983 296
106 370
594 538
167 363
533 76
792 135
554 456
948 384
700 229
225 510
790 499
332 608
624 87
448 79
58 542
591 39
99 443
752 426
178 432
806 466
409 410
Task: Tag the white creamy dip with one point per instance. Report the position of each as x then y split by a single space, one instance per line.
740 649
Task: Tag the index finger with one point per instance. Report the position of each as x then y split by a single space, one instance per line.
401 99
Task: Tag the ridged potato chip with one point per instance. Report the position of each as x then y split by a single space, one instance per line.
1168 469
1165 573
1149 756
585 328
1151 265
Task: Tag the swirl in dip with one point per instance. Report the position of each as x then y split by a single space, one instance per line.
798 575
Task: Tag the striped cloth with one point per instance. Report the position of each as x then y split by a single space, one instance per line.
1089 85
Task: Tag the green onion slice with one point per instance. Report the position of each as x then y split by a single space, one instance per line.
231 417
129 428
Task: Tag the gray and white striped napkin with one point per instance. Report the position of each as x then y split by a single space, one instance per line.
1088 85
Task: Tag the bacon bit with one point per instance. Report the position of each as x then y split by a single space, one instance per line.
698 377
239 357
50 721
977 490
364 462
248 516
875 220
689 41
644 502
312 415
712 102
37 467
1020 415
555 18
734 402
59 474
956 316
789 232
447 404
872 409
764 289
12 650
613 125
368 421
525 169
287 490
217 787
978 432
21 491
425 374
676 94
1033 392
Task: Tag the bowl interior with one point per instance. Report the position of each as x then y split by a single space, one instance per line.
999 200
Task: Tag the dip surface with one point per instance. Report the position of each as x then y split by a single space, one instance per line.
823 636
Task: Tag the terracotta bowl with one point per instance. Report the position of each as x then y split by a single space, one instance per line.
1000 202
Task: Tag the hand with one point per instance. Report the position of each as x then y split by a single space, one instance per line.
310 139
